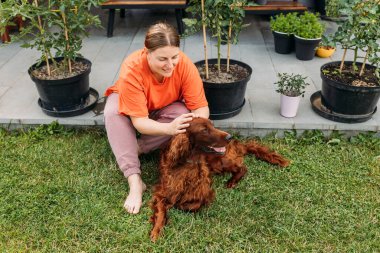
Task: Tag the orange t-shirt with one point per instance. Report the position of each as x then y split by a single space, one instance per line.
140 93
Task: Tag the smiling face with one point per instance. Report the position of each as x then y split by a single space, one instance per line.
162 61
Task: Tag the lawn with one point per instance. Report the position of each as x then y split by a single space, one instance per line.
61 191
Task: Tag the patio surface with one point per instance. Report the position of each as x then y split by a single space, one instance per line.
260 115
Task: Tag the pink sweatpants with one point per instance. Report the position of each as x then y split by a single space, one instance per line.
122 134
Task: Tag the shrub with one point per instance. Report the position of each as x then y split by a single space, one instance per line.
284 23
360 31
309 26
54 26
291 85
222 18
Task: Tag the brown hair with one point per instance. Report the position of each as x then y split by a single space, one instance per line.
161 34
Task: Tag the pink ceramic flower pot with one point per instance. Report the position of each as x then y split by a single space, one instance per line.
289 106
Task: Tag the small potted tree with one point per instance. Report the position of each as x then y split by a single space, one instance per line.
333 10
292 88
224 80
56 29
283 27
308 34
351 89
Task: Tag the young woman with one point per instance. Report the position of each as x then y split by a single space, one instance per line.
158 92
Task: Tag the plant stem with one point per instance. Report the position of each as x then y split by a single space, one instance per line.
204 36
67 39
229 46
342 62
364 62
41 31
218 49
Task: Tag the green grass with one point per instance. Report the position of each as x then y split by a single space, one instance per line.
61 191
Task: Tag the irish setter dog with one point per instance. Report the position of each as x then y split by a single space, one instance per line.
188 162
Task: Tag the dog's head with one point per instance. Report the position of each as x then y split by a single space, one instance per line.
204 136
201 136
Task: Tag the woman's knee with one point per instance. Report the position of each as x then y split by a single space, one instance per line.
174 110
111 107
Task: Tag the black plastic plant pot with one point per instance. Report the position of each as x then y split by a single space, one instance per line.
341 98
305 48
283 42
261 2
225 100
64 94
320 7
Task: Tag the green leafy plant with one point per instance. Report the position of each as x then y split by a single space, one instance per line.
56 28
360 32
327 43
222 18
309 26
333 8
291 85
284 23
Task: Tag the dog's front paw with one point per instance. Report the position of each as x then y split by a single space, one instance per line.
154 236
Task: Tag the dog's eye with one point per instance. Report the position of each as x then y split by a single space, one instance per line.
205 130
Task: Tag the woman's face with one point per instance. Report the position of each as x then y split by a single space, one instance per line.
163 60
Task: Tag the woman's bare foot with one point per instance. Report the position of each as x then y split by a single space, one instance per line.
136 189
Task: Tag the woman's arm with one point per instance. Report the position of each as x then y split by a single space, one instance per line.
202 112
150 127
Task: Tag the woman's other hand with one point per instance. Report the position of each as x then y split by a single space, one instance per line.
180 124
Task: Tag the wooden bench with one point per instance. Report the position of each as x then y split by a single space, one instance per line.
112 5
274 7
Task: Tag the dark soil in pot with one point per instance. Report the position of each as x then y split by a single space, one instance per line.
350 75
60 72
236 73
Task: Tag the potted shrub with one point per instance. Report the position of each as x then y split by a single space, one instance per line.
292 88
326 48
224 80
333 10
351 89
56 29
282 27
308 33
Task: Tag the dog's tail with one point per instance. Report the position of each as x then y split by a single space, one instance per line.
263 153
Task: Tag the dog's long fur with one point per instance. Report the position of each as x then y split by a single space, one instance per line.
188 162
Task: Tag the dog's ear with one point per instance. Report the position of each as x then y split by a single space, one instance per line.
178 149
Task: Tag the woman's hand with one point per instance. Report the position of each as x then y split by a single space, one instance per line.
179 124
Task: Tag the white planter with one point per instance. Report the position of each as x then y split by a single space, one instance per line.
289 106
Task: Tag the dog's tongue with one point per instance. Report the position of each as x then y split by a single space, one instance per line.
219 150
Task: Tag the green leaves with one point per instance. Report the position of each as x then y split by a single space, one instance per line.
47 22
219 14
291 85
361 30
284 23
309 26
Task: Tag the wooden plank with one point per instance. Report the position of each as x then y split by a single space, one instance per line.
144 2
278 6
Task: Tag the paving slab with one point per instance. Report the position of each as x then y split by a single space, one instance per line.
259 116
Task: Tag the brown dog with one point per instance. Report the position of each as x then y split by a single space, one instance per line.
187 163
